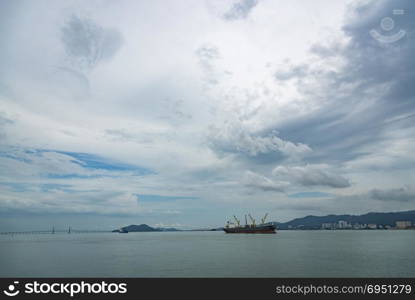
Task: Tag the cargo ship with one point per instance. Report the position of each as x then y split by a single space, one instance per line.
235 227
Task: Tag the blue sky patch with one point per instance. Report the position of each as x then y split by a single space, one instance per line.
91 161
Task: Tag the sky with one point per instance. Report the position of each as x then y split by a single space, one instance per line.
185 113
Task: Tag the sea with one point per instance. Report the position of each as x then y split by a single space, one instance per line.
289 253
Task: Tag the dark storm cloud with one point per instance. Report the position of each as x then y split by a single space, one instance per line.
374 85
240 10
375 62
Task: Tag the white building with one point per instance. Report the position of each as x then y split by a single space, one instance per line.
328 226
344 225
358 226
372 226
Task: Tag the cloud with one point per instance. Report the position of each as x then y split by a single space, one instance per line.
100 103
120 134
160 198
5 120
235 138
29 163
57 200
208 55
403 194
240 10
298 71
90 161
87 43
263 183
171 225
310 175
352 85
310 195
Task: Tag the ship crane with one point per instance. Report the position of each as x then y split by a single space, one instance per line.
237 221
252 220
263 219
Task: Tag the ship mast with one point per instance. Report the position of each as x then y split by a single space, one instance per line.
263 219
252 220
237 221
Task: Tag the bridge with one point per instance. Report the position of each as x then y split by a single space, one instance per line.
53 231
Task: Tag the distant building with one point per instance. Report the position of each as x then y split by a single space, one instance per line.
403 224
328 226
344 225
358 226
372 226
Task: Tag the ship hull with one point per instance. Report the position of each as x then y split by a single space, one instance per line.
262 229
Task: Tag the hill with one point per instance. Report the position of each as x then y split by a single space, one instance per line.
137 228
143 228
314 222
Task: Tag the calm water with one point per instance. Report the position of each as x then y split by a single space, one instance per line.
211 254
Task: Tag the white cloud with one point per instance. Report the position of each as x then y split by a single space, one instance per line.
236 138
310 175
260 182
402 194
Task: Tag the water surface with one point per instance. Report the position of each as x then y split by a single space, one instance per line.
362 253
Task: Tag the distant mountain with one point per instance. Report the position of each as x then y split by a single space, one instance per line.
314 222
137 228
143 228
